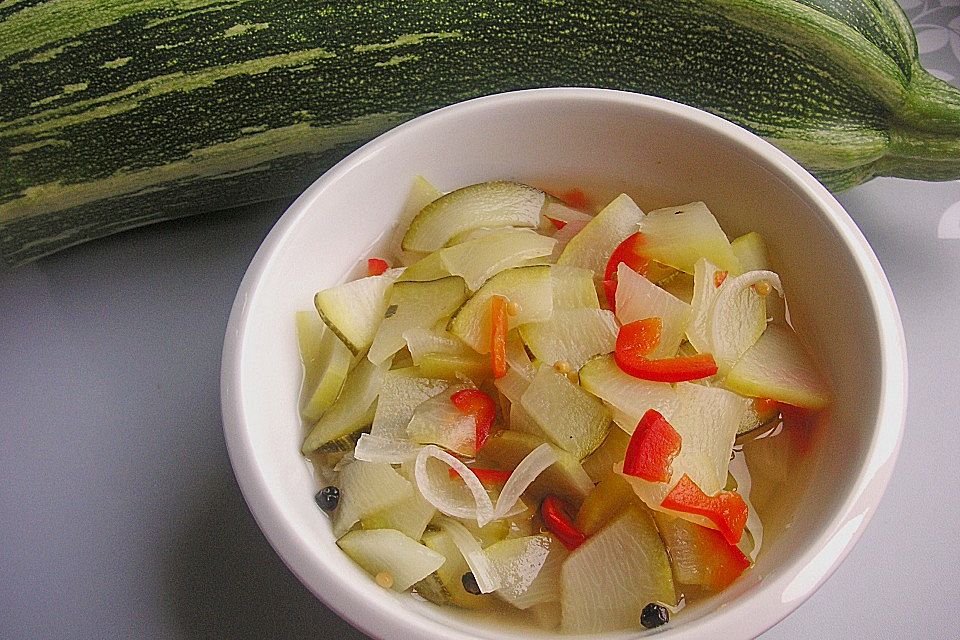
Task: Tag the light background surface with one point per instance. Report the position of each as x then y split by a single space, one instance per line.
119 514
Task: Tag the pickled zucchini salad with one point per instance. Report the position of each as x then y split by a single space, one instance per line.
535 405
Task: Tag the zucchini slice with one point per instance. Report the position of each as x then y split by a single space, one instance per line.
488 204
388 550
326 361
573 336
591 248
352 411
679 236
415 305
479 259
354 310
570 417
530 287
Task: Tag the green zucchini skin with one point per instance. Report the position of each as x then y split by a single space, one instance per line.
115 114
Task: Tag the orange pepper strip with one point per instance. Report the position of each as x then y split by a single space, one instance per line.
636 339
498 336
727 509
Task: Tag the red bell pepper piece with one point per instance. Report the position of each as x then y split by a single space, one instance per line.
636 339
575 198
727 509
486 476
718 278
557 520
559 224
629 252
376 266
476 403
653 446
498 336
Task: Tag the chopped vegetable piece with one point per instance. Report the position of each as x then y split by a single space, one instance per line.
637 338
638 298
486 253
718 278
557 520
386 551
498 335
640 336
679 236
328 498
479 405
571 336
402 391
445 585
520 562
352 411
559 224
600 463
591 248
700 556
365 488
608 580
653 446
654 615
376 266
726 510
612 496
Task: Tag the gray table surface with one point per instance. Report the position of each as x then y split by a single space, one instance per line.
120 516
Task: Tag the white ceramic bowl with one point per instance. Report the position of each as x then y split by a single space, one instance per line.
662 153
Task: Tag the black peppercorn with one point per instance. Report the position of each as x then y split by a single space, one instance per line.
470 583
654 615
328 498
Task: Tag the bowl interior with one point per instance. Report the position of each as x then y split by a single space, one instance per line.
607 142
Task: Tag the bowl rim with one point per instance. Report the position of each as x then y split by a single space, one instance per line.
773 600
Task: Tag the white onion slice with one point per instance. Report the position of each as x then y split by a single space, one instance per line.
371 448
482 509
730 328
487 578
526 472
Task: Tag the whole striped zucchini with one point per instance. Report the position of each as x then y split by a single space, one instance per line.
118 113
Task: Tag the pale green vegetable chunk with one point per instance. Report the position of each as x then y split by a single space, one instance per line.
423 341
489 204
521 564
352 411
591 248
366 488
679 236
410 516
608 580
477 260
429 267
600 463
354 310
402 390
777 367
387 550
573 288
572 336
570 417
629 396
529 287
422 193
518 360
326 361
415 305
751 252
445 585
638 298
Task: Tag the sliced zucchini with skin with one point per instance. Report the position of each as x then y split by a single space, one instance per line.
401 391
591 248
445 584
488 204
611 577
387 550
570 417
778 367
630 396
600 463
352 410
422 193
456 366
429 267
477 260
326 362
365 489
423 341
679 236
529 287
518 562
354 310
415 305
573 336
